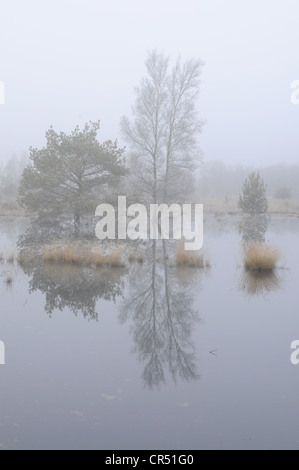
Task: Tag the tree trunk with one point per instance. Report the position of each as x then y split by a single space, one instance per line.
77 224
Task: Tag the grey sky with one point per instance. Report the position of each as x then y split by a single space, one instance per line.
65 62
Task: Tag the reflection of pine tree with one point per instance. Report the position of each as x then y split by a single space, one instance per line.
253 198
69 286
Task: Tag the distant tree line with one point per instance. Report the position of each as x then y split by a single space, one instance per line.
218 179
10 175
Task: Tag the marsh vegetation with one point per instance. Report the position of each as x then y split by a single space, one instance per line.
261 257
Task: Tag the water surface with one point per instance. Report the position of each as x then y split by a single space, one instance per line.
151 356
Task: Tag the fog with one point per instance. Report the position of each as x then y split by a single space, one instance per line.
149 257
66 62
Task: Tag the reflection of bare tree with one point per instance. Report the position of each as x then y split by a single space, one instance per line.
253 228
163 318
260 283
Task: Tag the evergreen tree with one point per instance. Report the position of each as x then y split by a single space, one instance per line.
69 175
253 198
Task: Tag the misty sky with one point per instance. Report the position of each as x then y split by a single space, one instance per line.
65 62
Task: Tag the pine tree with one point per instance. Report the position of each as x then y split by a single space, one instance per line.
253 198
70 174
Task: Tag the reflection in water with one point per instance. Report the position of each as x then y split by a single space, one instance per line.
159 300
260 283
254 228
163 319
74 287
66 285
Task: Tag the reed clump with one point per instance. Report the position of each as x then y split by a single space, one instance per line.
114 259
78 255
261 257
190 258
136 257
10 258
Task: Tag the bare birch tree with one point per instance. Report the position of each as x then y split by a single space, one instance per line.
163 133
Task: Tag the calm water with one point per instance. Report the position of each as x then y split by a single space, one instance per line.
151 357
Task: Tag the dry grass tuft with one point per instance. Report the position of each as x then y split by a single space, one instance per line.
71 254
51 255
11 258
260 257
115 259
74 254
190 258
64 254
98 259
21 259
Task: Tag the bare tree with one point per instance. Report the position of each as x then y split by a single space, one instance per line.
163 133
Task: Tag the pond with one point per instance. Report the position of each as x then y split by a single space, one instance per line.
151 356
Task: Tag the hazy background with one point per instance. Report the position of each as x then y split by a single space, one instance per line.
65 62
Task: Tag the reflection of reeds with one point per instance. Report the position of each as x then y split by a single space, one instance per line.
261 257
260 282
190 258
138 257
8 279
67 274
